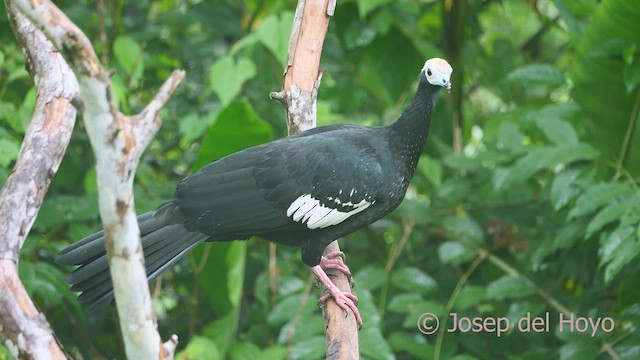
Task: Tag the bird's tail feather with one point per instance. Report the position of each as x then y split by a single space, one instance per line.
163 244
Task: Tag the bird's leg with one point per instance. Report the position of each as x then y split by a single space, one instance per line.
329 261
345 300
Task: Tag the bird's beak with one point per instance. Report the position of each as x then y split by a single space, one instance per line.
448 86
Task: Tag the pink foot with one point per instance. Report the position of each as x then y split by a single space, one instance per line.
345 300
329 261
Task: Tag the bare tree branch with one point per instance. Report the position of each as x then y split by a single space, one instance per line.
118 142
25 330
301 80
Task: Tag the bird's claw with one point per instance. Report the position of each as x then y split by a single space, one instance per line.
329 261
346 301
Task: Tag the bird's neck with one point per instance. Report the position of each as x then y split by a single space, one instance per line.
409 132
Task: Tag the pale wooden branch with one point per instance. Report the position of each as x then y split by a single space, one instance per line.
118 142
302 77
25 331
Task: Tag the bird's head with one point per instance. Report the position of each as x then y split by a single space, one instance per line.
438 72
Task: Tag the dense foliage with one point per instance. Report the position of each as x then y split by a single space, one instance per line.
537 212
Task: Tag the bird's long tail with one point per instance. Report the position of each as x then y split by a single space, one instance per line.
163 244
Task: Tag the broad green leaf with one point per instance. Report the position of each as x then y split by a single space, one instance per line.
373 345
274 33
200 348
228 75
508 287
563 188
281 312
558 131
413 279
192 126
464 228
596 197
543 158
8 151
629 291
469 296
366 6
544 74
404 302
222 331
617 250
223 274
370 277
7 111
509 136
309 348
454 252
600 77
128 53
579 351
236 128
359 34
275 352
610 213
432 169
414 344
632 75
243 350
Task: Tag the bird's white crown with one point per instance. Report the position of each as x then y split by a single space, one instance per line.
438 72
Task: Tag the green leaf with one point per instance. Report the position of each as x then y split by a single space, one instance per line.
469 296
508 287
544 74
373 345
236 128
610 213
366 6
244 350
413 279
629 291
227 76
370 277
413 344
563 188
274 34
509 136
632 75
431 169
600 79
596 197
128 53
9 150
617 250
200 348
543 158
309 348
558 131
579 351
454 252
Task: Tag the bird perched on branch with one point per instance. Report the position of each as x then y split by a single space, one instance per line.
304 190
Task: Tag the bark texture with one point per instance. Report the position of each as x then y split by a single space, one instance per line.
118 142
302 77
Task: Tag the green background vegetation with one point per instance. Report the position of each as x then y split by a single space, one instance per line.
539 211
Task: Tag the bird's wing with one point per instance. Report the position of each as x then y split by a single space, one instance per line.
315 180
344 176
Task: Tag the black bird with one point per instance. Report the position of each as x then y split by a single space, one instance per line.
304 190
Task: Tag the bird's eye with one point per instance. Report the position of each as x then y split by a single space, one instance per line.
428 72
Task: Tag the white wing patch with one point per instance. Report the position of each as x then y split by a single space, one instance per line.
317 216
